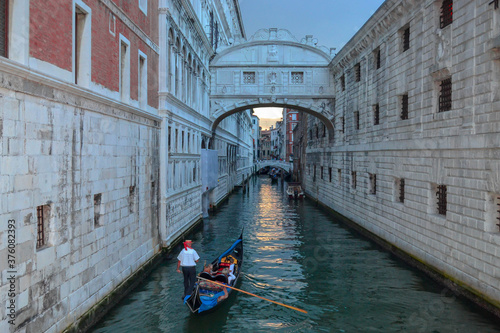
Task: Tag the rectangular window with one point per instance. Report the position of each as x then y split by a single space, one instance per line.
339 176
342 82
373 183
182 141
4 15
97 209
330 174
321 170
248 77
124 70
42 218
131 199
169 135
194 173
314 173
445 95
376 114
406 39
356 120
342 124
446 13
400 185
297 78
176 143
142 85
376 55
353 180
82 44
357 72
404 107
441 199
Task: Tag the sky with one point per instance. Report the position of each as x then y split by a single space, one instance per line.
332 22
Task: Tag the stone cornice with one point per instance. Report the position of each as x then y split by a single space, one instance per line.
118 12
195 23
169 98
117 109
376 26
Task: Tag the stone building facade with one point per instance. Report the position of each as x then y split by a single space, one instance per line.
414 158
80 139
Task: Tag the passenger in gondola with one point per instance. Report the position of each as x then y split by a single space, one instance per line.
209 269
224 296
231 276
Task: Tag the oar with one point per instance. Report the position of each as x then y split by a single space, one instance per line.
246 292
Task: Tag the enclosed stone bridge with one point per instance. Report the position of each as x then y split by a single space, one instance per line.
272 68
287 166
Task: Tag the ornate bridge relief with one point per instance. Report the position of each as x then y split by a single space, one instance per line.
272 68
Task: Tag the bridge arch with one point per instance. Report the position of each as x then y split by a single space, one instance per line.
272 68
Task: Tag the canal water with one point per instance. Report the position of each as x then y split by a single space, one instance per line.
297 254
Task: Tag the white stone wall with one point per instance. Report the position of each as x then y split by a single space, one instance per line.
457 148
60 146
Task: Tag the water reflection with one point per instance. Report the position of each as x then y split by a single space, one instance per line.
298 255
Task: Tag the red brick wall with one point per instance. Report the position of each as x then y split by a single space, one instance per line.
51 32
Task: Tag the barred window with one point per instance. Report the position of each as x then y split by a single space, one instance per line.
446 13
357 72
42 218
248 77
445 95
376 114
3 27
330 174
401 190
373 183
342 124
406 39
339 176
441 199
342 82
356 120
353 180
297 77
404 107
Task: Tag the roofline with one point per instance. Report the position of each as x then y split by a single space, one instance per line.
240 19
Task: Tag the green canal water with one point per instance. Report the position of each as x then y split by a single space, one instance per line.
297 254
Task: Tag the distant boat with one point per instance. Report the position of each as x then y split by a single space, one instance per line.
294 191
205 295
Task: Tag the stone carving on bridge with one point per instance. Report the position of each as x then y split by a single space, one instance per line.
272 53
273 76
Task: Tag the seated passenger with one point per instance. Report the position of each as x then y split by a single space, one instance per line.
231 271
208 269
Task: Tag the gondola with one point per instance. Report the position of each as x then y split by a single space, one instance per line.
206 296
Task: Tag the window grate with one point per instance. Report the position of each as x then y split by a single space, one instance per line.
377 59
297 77
3 27
376 114
356 120
445 95
402 190
248 77
373 183
441 197
40 240
342 82
330 174
357 72
354 179
498 212
404 107
446 13
406 39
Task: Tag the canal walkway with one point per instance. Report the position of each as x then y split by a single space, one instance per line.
297 254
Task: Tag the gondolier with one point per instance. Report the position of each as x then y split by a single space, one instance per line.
187 259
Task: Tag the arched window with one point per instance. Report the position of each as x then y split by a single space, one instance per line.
177 69
170 59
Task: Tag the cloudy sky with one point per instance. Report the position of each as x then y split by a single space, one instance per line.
332 22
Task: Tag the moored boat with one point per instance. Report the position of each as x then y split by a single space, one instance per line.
208 295
294 191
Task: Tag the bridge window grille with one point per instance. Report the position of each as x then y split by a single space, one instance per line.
42 217
249 77
342 82
445 95
3 27
373 183
353 180
446 13
406 39
441 199
357 72
377 58
356 120
297 77
404 107
376 114
401 190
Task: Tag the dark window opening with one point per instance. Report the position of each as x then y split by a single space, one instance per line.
401 190
343 124
406 39
373 183
353 179
377 59
356 120
321 170
441 199
97 209
404 107
446 13
357 72
498 212
330 174
42 218
342 82
445 95
376 114
4 15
